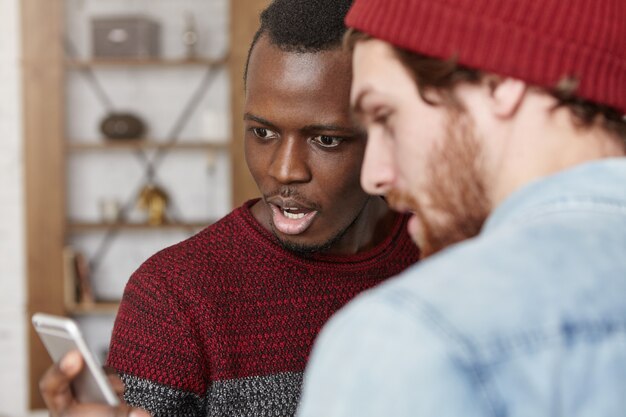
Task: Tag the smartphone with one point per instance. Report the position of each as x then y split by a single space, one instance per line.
61 335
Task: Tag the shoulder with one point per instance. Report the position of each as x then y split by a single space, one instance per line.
421 330
213 246
525 279
387 362
510 293
229 231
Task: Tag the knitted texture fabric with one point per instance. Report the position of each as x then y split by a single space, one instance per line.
539 42
222 324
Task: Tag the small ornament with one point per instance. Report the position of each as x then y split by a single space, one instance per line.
122 126
154 200
190 36
110 210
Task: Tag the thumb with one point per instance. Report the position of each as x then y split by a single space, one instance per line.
138 412
71 364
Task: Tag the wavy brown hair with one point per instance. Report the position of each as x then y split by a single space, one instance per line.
442 75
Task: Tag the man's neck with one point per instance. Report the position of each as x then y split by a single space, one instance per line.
547 145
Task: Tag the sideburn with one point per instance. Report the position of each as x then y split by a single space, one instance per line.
459 179
454 184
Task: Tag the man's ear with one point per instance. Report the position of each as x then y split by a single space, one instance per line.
507 95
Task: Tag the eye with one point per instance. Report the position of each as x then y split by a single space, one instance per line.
327 141
381 117
263 133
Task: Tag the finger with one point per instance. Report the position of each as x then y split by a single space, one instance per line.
71 364
55 384
115 381
116 384
109 371
97 410
55 390
138 412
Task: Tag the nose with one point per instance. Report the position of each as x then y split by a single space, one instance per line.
289 162
377 171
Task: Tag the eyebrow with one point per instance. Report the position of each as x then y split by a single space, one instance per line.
328 128
357 107
252 117
307 128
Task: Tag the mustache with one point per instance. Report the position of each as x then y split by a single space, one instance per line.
396 198
293 193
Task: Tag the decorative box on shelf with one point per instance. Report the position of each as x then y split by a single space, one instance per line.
132 37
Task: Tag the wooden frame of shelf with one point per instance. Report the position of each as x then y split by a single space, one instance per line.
137 144
44 161
99 307
244 17
149 62
76 227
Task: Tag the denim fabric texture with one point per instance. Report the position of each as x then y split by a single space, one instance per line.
526 319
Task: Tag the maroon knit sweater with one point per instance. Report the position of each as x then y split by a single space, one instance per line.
222 324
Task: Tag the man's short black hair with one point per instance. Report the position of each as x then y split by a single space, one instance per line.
302 25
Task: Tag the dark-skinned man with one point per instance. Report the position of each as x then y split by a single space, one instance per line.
222 324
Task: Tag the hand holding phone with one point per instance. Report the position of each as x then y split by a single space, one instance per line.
61 335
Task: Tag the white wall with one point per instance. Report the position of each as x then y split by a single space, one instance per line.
13 352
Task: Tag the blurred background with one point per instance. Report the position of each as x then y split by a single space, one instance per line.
120 134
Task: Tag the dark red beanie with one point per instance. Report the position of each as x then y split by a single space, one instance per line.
537 41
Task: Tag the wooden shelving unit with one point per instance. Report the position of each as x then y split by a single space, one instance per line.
46 151
150 149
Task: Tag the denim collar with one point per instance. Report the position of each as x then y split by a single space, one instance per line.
602 181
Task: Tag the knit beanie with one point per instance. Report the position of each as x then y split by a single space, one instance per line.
537 41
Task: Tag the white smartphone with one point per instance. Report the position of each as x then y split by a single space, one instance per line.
61 335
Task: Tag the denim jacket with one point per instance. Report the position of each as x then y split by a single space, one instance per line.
526 319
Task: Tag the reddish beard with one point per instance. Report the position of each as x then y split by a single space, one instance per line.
454 188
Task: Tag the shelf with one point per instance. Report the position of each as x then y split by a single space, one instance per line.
100 307
114 144
150 62
102 227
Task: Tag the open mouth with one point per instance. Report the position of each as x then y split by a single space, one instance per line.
293 213
291 219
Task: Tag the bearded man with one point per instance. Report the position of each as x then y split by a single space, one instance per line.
500 126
